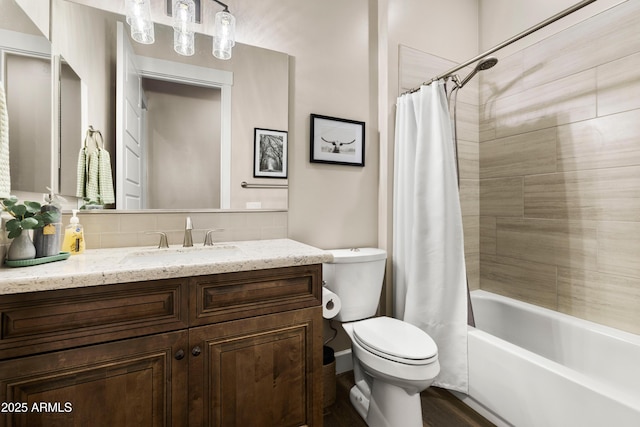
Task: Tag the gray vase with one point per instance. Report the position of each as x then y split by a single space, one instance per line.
47 240
21 248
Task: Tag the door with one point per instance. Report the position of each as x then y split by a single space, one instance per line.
260 371
129 139
135 382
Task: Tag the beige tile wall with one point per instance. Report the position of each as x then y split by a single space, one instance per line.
560 171
111 230
108 229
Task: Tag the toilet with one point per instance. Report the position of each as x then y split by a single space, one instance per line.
393 361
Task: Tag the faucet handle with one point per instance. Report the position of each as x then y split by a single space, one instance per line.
208 240
164 243
188 224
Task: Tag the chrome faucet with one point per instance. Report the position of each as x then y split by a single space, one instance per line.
188 239
164 243
208 240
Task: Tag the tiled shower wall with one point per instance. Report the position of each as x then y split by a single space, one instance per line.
560 171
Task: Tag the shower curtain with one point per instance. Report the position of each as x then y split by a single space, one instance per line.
429 273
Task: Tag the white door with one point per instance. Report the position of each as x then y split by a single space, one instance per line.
129 141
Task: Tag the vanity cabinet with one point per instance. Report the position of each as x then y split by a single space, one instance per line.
232 349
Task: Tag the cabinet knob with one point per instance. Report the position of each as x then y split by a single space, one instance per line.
196 351
179 354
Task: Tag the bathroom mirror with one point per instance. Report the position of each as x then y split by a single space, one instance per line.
26 73
258 99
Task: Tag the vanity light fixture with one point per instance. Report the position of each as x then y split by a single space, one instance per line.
184 16
139 19
224 37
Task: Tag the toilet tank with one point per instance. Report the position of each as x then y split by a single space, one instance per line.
356 276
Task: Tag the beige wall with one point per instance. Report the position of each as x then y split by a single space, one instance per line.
559 171
29 123
83 47
333 73
502 19
38 10
182 147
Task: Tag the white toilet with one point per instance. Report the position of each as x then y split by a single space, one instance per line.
393 361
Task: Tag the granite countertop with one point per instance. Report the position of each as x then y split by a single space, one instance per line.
121 265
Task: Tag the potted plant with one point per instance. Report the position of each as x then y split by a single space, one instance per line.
25 216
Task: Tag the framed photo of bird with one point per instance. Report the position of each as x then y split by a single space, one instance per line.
269 153
337 141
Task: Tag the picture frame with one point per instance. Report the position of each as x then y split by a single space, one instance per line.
270 153
337 141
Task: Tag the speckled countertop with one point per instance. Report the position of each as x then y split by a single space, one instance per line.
121 265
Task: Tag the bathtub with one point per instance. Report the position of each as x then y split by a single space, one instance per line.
529 366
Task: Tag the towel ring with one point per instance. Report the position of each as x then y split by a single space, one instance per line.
91 135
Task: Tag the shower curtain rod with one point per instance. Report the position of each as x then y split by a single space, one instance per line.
506 43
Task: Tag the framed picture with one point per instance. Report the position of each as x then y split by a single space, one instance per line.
269 153
337 141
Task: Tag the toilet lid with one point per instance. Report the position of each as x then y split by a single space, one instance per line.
396 340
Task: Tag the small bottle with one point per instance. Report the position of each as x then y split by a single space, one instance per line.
73 236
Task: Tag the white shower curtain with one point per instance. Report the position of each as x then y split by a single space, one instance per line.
429 276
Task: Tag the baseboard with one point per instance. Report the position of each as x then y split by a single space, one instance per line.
344 363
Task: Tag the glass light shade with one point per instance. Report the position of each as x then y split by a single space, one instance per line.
183 43
224 37
139 18
184 16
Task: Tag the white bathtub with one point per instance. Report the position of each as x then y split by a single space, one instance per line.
529 366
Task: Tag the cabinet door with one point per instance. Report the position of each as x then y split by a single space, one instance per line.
262 371
135 382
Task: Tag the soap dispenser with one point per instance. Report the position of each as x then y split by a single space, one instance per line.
73 236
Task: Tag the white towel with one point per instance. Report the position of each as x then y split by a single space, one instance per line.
5 176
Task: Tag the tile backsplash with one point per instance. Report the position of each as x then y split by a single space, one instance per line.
110 229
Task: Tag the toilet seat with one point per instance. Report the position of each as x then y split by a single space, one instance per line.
396 340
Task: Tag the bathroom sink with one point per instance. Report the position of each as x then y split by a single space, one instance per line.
181 255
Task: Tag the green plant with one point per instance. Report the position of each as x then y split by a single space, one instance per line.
26 216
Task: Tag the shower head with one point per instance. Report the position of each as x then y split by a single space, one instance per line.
486 63
483 64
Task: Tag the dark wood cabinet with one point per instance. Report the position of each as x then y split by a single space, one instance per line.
234 349
257 372
134 382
